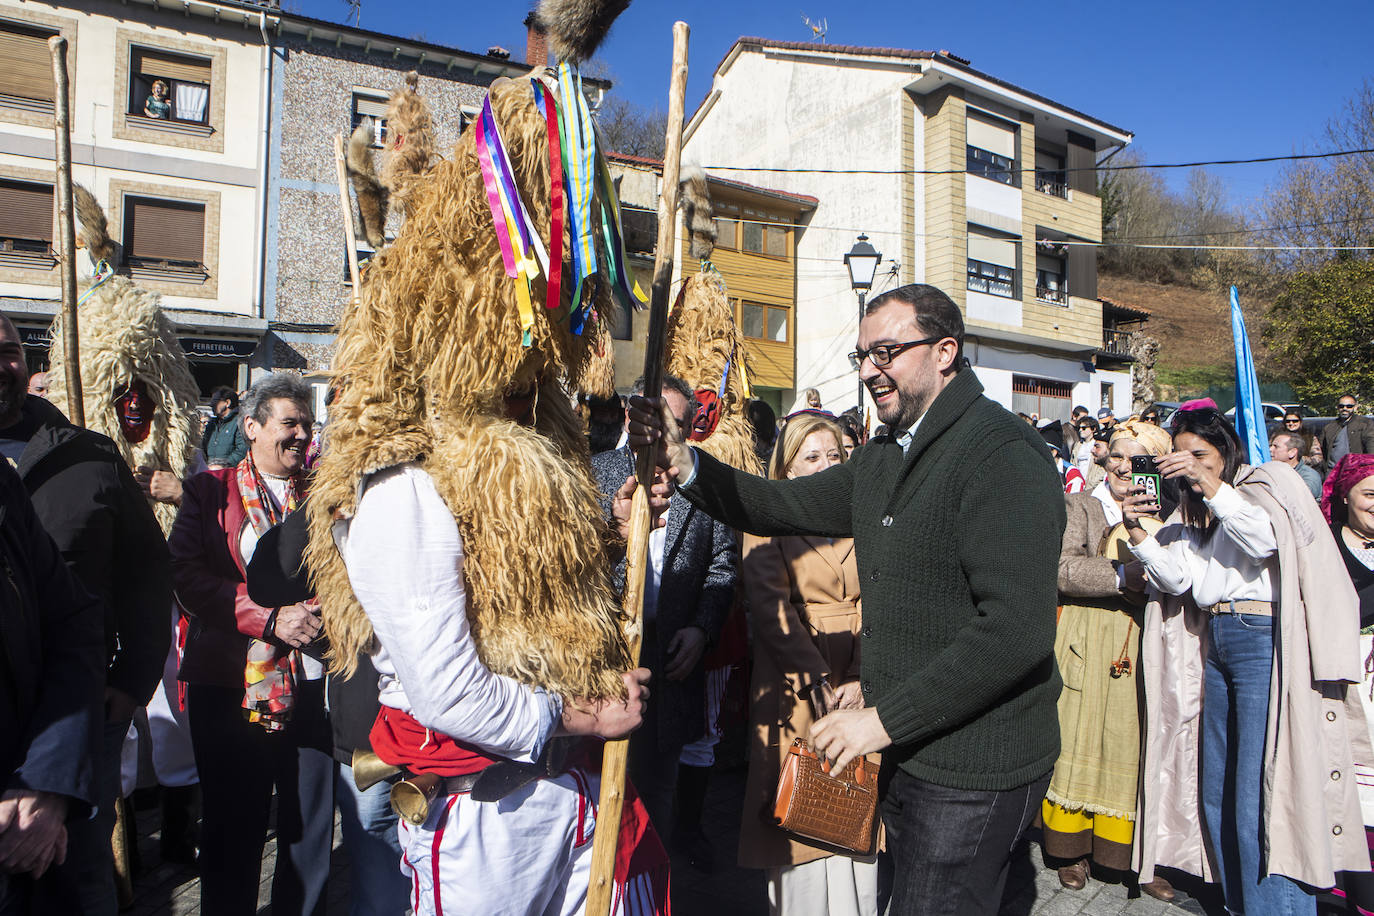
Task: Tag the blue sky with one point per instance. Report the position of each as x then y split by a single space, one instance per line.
1194 80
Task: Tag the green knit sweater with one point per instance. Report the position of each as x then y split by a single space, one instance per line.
957 543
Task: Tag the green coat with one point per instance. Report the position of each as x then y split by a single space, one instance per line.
957 543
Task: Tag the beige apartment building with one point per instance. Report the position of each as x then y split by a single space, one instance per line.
180 181
960 179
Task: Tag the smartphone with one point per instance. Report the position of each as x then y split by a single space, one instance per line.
1145 473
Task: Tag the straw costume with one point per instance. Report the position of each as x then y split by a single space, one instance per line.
466 550
706 349
124 338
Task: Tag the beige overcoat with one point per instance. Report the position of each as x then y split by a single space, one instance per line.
1313 826
804 617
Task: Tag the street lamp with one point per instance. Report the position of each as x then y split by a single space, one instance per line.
862 262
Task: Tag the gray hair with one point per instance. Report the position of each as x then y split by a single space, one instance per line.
256 403
670 383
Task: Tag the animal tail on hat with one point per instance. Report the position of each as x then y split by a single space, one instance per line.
95 234
697 212
576 28
373 199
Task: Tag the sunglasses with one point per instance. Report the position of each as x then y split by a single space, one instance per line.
1291 422
1345 406
1151 418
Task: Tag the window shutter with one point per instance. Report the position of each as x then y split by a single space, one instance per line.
26 211
25 63
992 250
156 63
1082 161
164 229
369 106
1049 263
1083 271
993 136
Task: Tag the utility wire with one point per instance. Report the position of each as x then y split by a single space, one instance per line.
1128 167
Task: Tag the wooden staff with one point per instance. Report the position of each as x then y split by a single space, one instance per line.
604 846
66 226
349 239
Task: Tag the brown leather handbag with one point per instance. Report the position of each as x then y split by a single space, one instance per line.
812 804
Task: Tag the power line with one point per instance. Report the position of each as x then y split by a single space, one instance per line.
1128 167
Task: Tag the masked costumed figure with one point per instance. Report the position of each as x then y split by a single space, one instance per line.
455 531
138 390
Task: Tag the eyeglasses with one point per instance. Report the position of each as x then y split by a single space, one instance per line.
1291 421
1345 406
883 354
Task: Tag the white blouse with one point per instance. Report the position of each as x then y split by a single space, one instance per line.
405 562
1238 562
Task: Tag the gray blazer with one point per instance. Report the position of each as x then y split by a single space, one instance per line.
700 569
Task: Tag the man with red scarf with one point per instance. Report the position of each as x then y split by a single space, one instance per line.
255 693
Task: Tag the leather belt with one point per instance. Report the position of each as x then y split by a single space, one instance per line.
1241 606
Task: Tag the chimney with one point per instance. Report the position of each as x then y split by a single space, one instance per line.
536 42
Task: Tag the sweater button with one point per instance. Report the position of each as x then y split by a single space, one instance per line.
868 631
1330 716
1335 774
1336 830
887 521
874 576
868 687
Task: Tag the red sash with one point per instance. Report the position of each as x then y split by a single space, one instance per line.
403 742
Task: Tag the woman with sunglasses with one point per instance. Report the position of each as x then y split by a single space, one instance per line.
1250 643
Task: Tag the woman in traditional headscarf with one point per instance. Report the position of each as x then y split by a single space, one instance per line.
1089 811
1348 504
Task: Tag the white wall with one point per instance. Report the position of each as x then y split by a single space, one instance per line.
787 111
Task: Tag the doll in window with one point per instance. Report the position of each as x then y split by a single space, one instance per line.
156 105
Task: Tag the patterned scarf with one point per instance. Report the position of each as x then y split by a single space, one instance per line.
269 677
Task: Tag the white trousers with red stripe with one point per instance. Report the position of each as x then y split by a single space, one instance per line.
528 854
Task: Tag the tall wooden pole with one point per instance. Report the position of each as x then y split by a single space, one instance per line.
347 208
600 892
66 226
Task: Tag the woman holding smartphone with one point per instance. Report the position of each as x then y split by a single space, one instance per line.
1088 815
804 618
1249 647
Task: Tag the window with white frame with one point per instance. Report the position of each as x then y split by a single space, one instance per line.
992 261
370 105
169 87
991 147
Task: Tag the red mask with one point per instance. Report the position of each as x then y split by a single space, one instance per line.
135 411
707 417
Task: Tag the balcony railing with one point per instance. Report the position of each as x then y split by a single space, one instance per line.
1051 294
1052 183
1117 343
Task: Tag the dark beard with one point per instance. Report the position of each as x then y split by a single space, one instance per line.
603 436
12 395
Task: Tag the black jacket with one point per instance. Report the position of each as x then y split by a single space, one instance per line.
52 673
697 588
87 499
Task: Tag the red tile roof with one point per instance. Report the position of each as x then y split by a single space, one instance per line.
806 199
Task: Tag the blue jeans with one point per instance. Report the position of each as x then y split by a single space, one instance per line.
1235 713
373 847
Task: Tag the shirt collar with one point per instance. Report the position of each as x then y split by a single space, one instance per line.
905 437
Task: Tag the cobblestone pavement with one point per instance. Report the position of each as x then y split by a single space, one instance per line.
163 889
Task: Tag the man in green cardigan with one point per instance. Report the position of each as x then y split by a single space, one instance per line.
957 518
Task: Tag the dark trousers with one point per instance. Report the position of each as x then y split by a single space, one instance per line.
240 763
949 849
652 762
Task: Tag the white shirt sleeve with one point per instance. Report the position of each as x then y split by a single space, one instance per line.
1166 567
405 563
1245 524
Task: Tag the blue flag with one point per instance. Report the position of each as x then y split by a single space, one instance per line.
1249 411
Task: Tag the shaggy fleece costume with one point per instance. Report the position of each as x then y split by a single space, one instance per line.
703 339
423 364
124 337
